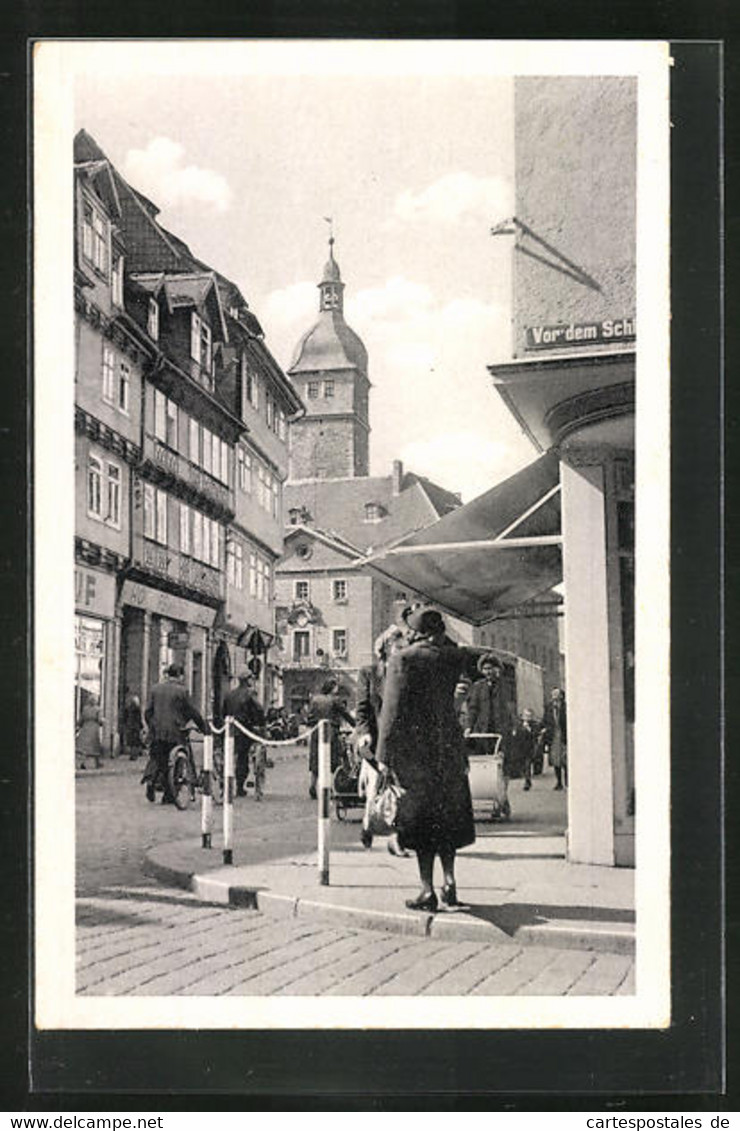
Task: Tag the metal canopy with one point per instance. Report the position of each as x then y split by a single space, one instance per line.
497 552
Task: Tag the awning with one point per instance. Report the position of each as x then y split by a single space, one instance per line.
495 553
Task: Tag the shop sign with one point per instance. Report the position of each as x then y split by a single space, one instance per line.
167 605
609 330
95 592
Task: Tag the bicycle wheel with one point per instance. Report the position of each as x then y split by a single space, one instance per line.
182 786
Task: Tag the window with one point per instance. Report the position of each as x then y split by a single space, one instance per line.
184 528
195 336
339 641
268 581
313 390
207 449
94 487
155 514
197 535
282 427
373 512
206 547
275 498
234 563
301 645
244 465
216 542
113 494
124 385
194 442
252 575
206 355
302 590
108 375
165 419
249 383
117 279
339 589
103 490
224 462
161 517
328 389
95 237
152 322
269 411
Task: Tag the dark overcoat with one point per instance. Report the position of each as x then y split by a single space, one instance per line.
169 711
519 749
243 706
555 733
369 705
421 742
326 707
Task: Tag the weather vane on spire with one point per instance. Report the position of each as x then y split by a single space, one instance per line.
330 222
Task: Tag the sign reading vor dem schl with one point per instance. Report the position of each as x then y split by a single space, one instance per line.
580 333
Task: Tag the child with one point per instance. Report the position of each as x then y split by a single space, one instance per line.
519 749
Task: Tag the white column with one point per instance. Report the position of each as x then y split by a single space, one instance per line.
588 691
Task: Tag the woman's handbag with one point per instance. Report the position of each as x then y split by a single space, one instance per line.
384 806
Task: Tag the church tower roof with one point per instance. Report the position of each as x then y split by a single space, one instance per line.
330 343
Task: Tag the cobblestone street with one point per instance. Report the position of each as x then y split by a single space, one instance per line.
137 938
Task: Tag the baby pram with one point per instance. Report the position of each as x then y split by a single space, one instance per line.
488 786
345 782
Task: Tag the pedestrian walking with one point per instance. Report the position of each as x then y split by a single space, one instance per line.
420 741
519 745
554 735
242 704
484 709
326 705
87 736
367 712
167 715
132 725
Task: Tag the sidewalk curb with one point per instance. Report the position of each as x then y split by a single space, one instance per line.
445 926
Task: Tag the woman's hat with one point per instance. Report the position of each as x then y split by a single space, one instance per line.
488 659
425 621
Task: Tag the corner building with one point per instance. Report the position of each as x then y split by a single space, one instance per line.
571 387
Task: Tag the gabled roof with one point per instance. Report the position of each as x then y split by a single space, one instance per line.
183 290
338 505
328 537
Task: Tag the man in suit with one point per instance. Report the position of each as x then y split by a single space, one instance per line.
167 715
242 704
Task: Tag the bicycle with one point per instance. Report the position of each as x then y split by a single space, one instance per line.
184 779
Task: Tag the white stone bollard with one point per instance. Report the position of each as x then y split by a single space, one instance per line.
324 800
228 791
206 811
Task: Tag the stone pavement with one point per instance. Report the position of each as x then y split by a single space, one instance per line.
150 941
515 880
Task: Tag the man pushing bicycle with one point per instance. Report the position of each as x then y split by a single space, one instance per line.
167 715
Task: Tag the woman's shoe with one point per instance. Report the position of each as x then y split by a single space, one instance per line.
448 895
394 846
423 903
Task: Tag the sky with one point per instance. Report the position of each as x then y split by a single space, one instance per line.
248 153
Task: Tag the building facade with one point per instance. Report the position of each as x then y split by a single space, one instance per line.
181 419
571 386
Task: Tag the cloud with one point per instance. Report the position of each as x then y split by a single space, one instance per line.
455 197
158 172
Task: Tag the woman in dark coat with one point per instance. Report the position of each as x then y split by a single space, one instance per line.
326 705
421 742
133 723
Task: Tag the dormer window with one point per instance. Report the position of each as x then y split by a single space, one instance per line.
200 342
152 321
95 236
374 512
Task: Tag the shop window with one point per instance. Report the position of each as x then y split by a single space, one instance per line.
89 656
